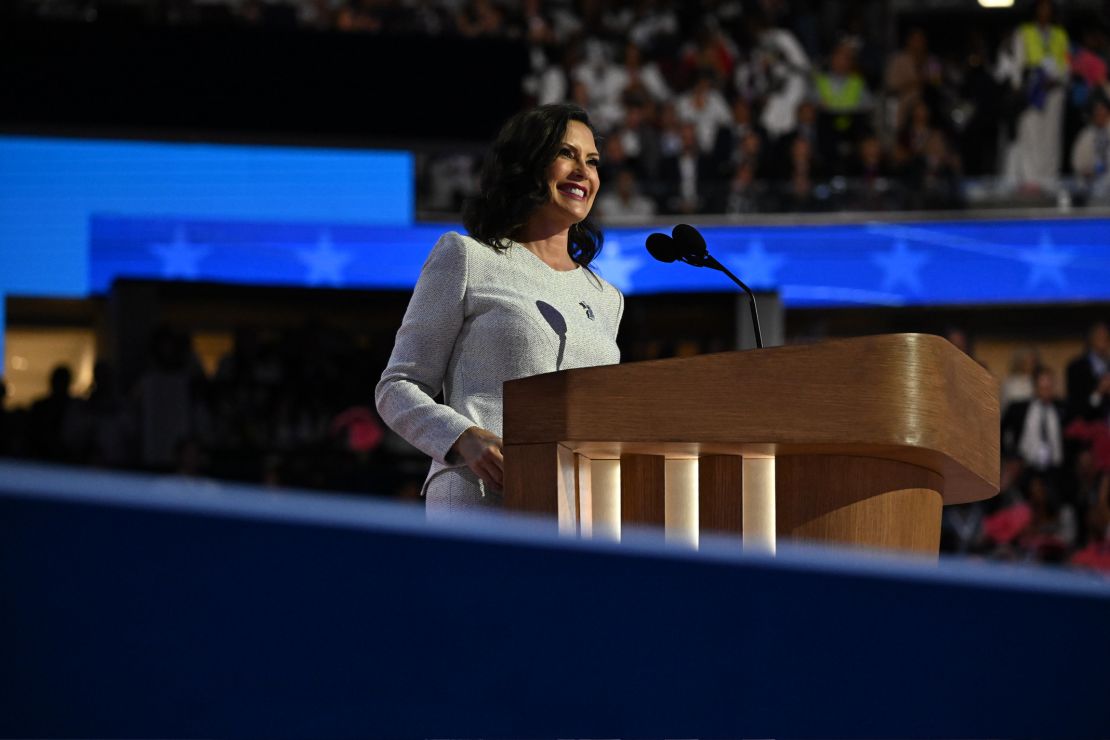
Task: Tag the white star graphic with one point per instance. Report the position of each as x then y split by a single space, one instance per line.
325 263
180 259
615 267
901 266
757 267
1046 263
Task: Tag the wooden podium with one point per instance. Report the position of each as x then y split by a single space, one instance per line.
858 441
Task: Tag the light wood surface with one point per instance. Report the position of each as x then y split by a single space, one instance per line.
759 504
605 493
682 502
861 501
908 397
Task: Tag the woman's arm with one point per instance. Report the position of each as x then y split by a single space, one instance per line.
405 396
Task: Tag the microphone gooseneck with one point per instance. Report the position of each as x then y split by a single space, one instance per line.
686 244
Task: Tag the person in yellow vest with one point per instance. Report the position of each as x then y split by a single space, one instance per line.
841 90
1040 69
841 96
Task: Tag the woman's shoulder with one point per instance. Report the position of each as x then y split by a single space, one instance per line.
463 245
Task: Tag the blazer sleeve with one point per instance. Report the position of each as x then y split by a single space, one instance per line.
405 395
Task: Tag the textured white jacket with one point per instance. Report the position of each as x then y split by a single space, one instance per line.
477 318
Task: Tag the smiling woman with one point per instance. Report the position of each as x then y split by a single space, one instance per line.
514 298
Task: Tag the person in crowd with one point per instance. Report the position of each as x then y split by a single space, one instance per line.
1090 154
982 104
1038 70
840 89
481 18
914 135
1095 555
51 418
1088 383
1052 527
164 398
360 15
776 73
555 70
605 82
515 297
912 74
746 191
871 175
613 158
624 201
842 97
751 152
933 175
1033 430
640 143
688 175
802 176
711 50
1018 384
106 434
538 28
741 123
643 77
706 109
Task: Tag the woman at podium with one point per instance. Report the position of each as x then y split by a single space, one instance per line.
514 297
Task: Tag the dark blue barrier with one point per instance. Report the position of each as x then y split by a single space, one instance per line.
134 606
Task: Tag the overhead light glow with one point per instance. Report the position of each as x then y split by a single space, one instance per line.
996 3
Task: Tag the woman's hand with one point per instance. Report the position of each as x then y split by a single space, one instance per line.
481 451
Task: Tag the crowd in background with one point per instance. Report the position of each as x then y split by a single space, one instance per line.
739 106
742 107
1054 505
295 409
284 408
1055 433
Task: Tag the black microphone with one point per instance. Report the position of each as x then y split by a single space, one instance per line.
686 244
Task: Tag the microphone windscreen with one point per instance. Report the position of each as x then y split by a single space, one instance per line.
662 248
688 240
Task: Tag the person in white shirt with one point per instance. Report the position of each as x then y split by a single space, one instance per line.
1090 154
706 108
1038 66
1034 430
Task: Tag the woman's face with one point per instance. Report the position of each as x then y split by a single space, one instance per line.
572 177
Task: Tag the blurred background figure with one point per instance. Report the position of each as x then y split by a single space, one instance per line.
1038 72
51 419
1090 155
623 201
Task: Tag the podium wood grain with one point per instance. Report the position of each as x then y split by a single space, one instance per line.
721 487
858 500
643 480
912 401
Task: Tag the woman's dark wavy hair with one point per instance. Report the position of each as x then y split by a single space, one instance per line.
514 180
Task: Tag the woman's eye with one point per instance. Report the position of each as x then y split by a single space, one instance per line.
566 152
593 162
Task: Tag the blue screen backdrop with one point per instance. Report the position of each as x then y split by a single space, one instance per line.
969 262
77 214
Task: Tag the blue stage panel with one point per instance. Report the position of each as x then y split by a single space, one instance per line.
140 606
847 265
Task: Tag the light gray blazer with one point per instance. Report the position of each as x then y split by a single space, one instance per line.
478 317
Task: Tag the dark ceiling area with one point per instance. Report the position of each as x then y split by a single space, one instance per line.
253 84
